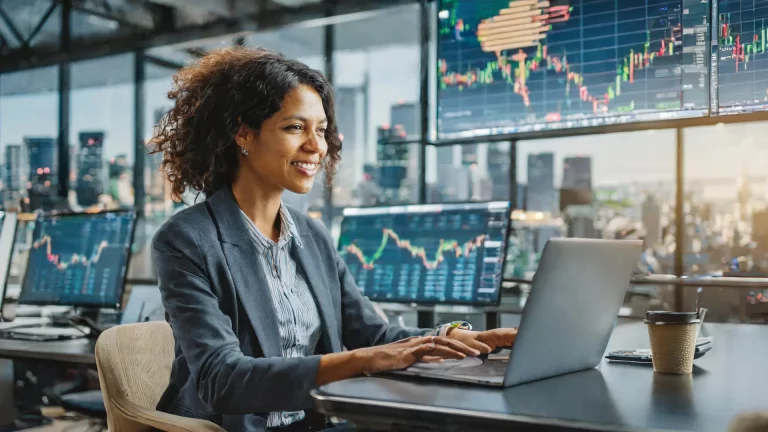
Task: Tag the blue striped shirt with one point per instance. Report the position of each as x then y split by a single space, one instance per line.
297 317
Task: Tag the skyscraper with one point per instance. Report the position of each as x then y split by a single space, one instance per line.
405 119
577 172
43 172
498 171
118 166
651 215
393 160
90 169
576 197
155 180
12 175
540 195
13 167
120 187
350 130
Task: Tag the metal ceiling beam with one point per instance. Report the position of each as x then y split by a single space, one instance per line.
137 16
3 43
41 23
162 62
311 15
9 23
221 8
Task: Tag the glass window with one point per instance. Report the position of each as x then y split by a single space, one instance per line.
377 80
726 199
100 20
157 83
615 186
305 44
469 172
188 52
29 128
158 205
102 133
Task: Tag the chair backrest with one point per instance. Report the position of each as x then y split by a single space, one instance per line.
134 362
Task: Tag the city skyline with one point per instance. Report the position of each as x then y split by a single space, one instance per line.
729 151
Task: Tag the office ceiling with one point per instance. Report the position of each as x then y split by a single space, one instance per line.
30 30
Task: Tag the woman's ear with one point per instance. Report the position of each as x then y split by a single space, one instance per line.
244 135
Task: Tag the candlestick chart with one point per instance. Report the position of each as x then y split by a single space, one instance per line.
742 61
437 257
523 65
78 259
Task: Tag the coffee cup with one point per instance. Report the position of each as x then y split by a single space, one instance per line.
673 340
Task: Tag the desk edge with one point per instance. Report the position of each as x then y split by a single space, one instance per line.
543 421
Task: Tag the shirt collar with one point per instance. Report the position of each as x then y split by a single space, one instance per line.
288 226
287 231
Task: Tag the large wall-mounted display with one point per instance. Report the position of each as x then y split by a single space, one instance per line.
507 67
739 46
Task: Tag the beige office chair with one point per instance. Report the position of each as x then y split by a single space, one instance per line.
134 362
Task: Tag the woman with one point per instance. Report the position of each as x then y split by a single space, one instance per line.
260 303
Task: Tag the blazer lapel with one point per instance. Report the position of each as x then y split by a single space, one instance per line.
307 257
247 275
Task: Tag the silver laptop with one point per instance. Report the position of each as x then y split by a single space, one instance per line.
574 303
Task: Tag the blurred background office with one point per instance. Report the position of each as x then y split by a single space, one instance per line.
83 82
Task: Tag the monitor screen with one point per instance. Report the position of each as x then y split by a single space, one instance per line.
79 259
507 67
739 41
451 254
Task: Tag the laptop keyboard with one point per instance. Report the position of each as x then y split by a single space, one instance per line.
489 368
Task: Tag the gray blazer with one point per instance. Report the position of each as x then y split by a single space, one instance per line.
228 367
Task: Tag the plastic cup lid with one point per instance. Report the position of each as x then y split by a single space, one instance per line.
671 317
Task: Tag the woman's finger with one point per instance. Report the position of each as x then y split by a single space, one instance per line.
480 346
456 346
432 359
506 338
436 350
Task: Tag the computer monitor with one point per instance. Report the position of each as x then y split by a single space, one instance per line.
79 259
427 254
7 238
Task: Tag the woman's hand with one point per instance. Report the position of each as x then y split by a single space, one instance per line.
484 341
401 354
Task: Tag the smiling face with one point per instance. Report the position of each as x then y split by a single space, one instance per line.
286 153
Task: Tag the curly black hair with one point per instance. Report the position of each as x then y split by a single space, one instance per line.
213 96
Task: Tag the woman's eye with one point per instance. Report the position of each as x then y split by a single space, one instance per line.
294 127
321 131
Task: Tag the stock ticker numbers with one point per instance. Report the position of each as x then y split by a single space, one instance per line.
741 57
527 65
444 257
78 259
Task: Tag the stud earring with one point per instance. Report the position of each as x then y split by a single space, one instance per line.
244 151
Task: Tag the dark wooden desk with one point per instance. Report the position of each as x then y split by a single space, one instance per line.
613 397
70 351
76 351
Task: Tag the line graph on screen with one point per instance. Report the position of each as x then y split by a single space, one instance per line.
74 259
444 246
507 64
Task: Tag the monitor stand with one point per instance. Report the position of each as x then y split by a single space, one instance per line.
77 319
86 317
